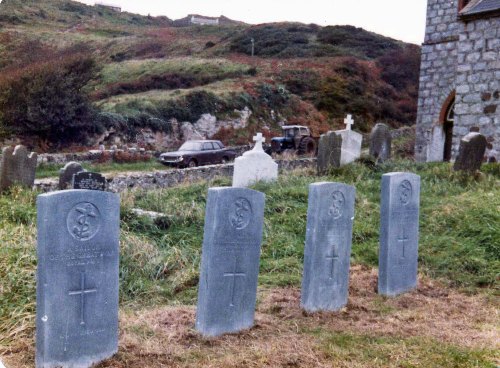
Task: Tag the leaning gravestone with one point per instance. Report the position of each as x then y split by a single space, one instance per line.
77 278
325 284
471 152
329 151
230 260
399 227
89 180
254 166
67 172
17 167
380 142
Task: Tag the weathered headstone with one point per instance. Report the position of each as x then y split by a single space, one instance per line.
329 152
330 215
254 166
67 172
230 260
471 152
380 142
17 167
77 278
435 148
351 143
89 180
399 228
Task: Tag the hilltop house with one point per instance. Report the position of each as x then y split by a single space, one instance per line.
459 78
204 21
103 4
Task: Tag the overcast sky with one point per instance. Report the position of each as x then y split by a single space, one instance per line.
400 19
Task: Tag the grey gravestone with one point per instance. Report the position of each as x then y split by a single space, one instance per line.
67 172
399 227
471 152
18 167
77 278
329 152
325 284
89 180
380 142
230 261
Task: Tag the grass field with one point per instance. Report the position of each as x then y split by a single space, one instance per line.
450 321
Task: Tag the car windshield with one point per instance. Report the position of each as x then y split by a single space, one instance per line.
191 146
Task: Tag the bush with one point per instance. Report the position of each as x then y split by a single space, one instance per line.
46 99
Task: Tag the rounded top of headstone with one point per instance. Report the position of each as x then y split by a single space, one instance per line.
474 136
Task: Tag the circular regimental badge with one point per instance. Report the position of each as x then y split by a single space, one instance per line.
241 213
405 192
338 202
83 221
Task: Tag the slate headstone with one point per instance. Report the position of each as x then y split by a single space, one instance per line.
67 172
471 152
330 216
17 167
329 152
254 166
380 142
77 278
89 180
399 230
230 260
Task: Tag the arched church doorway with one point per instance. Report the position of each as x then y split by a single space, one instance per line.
449 118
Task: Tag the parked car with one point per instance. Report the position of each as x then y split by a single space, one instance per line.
196 153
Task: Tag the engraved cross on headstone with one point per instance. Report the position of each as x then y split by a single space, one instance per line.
82 292
234 275
332 259
403 239
259 139
349 122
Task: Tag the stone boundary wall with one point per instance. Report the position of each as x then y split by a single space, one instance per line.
91 156
171 178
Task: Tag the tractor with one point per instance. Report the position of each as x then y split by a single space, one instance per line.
295 138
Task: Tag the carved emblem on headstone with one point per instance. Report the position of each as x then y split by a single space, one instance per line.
337 207
84 221
241 213
405 192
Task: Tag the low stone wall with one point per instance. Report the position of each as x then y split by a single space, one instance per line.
91 156
170 178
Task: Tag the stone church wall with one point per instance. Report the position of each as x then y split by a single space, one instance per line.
478 83
437 72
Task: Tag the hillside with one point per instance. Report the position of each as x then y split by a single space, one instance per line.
141 72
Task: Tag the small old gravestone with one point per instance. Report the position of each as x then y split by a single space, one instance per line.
351 143
17 167
471 152
380 142
89 180
399 227
77 278
329 151
67 172
254 166
325 284
230 260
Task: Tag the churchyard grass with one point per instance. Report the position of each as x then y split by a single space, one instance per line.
48 170
459 247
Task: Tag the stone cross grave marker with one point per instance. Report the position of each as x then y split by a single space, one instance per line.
330 216
471 152
349 122
17 167
399 229
67 172
380 142
254 166
77 278
89 180
230 260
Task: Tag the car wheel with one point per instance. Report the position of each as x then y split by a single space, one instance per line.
192 163
224 160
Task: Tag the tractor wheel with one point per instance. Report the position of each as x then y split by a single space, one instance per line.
307 146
